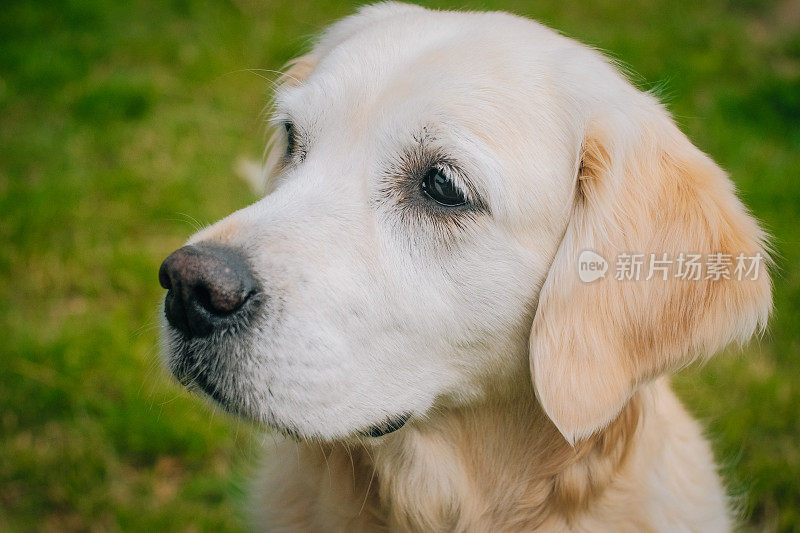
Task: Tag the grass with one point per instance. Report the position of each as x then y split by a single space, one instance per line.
120 124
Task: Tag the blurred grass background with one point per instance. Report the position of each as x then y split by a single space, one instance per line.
120 126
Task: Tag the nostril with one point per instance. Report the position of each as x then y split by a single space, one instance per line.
225 285
219 299
163 275
203 297
222 302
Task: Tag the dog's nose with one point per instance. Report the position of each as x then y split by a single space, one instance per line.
208 285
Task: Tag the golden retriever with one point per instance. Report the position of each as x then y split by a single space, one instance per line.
482 252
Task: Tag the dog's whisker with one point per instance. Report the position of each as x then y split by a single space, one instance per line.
367 492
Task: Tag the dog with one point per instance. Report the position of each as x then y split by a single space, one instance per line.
439 303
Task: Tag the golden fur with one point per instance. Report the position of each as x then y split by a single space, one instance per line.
501 466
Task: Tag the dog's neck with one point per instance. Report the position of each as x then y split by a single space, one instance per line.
439 474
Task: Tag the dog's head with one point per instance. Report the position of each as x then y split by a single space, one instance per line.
438 180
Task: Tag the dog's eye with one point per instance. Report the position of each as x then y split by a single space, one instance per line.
441 189
291 140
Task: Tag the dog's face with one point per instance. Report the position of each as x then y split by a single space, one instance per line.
420 203
425 174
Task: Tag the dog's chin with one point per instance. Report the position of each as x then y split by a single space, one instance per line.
186 363
373 432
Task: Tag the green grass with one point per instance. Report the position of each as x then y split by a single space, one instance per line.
120 124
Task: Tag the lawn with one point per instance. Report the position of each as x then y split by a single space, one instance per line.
120 126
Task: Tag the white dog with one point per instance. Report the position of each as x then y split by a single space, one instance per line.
407 304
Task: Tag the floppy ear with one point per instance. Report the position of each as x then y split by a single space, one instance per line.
643 188
294 73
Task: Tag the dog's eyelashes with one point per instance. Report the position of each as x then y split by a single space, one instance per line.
441 189
291 139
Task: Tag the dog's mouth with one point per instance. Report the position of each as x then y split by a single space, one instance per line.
390 425
200 382
190 368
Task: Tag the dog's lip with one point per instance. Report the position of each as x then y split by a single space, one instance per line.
196 378
390 425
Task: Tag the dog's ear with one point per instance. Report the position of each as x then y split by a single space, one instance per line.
643 188
294 73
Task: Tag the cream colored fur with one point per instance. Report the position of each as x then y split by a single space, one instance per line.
536 401
502 466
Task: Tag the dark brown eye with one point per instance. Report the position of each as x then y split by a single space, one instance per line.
441 189
291 141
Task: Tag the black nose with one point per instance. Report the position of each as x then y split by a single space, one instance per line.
208 286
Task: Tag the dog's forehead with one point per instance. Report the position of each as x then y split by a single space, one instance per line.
431 59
